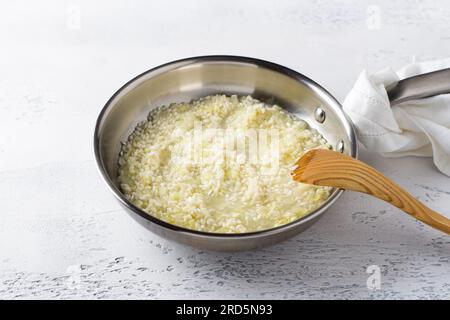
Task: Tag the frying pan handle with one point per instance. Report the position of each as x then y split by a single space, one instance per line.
421 86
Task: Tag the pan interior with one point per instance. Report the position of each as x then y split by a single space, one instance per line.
194 78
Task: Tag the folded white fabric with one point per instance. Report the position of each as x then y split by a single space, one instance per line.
417 128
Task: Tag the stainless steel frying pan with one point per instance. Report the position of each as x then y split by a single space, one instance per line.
192 78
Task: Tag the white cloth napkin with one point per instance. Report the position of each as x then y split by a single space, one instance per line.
416 128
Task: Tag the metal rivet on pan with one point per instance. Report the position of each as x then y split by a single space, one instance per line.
340 146
319 115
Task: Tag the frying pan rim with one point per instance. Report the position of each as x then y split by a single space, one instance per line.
345 120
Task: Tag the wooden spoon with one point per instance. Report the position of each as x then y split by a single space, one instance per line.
333 169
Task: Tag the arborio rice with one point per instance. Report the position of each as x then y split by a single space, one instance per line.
170 171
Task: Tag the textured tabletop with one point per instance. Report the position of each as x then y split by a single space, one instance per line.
62 235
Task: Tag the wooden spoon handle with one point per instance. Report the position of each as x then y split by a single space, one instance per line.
333 169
